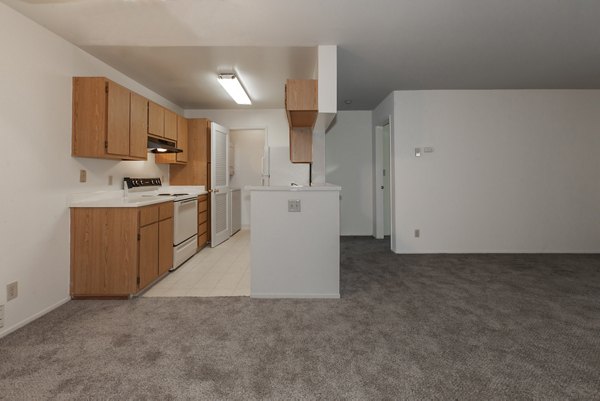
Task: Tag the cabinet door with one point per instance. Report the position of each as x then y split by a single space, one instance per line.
138 127
148 268
117 130
156 120
165 245
170 125
182 139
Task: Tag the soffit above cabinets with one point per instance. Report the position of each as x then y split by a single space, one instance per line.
188 75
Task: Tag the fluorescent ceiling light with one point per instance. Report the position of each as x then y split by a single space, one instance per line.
235 89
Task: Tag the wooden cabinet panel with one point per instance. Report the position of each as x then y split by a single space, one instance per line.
301 145
117 133
138 127
89 117
301 99
182 143
202 240
165 210
170 125
115 252
148 215
104 251
202 205
109 121
194 172
148 249
202 228
182 139
302 95
202 217
156 120
165 246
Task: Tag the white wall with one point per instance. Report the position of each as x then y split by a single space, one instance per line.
38 170
248 149
349 159
512 171
283 172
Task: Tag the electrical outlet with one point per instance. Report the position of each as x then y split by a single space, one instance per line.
12 291
417 233
294 205
428 149
82 175
110 180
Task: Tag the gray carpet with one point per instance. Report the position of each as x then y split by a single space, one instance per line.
439 327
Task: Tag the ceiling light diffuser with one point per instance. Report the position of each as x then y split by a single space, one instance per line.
235 89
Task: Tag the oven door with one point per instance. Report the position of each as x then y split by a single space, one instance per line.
185 220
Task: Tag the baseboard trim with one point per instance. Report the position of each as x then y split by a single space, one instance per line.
30 319
295 296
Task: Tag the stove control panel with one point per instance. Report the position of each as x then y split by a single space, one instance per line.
130 183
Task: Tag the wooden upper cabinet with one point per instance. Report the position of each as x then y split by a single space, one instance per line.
301 100
138 126
156 120
102 126
182 143
170 125
117 133
301 103
182 139
195 171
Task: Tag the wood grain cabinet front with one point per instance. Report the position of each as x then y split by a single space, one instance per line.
182 143
109 121
117 252
301 104
156 120
202 220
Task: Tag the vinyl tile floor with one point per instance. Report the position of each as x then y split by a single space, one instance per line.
223 271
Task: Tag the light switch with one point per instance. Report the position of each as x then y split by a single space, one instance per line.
294 205
417 152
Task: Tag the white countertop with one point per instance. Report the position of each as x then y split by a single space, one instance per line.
118 198
314 187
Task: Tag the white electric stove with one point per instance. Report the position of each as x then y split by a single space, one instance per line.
185 214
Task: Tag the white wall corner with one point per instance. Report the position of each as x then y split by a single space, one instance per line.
327 92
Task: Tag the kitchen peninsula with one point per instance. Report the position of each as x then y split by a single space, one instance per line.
295 241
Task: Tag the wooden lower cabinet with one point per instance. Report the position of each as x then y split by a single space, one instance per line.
165 243
148 245
117 252
202 220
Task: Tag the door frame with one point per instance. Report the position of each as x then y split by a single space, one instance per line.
378 203
217 238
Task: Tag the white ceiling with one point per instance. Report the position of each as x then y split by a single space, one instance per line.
169 45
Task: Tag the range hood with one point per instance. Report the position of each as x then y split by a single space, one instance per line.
156 145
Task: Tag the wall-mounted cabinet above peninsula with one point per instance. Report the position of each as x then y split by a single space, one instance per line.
301 105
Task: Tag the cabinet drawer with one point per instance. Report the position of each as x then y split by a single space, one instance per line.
202 228
202 206
202 217
165 210
202 240
148 215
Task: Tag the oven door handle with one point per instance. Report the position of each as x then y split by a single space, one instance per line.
184 202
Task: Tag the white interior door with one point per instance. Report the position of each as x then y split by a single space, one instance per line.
220 213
